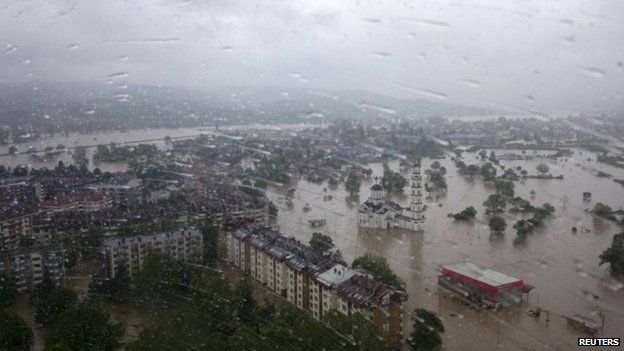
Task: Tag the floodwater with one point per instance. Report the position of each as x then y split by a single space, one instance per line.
91 140
563 266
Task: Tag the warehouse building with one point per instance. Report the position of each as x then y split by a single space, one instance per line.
482 287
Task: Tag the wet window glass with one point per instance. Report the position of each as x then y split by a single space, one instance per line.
311 175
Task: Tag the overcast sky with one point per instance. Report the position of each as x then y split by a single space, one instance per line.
525 55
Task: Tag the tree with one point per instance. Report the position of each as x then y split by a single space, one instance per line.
321 242
392 180
161 278
495 203
12 150
435 164
614 256
542 168
210 236
427 329
497 224
604 211
246 305
50 306
379 268
468 213
352 184
14 332
504 187
356 327
85 327
7 292
436 177
115 289
487 171
80 157
71 259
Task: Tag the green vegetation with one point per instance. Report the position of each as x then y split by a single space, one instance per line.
436 177
210 239
84 327
14 332
352 184
7 292
466 214
364 335
616 160
392 180
542 168
51 305
524 227
604 211
495 203
321 242
272 172
211 315
80 157
162 279
427 329
467 170
504 187
602 174
497 224
379 268
488 172
614 256
114 153
425 147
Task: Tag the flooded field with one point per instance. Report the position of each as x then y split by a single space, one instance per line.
562 265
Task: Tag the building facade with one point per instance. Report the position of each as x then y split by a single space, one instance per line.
482 287
15 223
315 282
380 212
130 252
28 268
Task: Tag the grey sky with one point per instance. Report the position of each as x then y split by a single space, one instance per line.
525 55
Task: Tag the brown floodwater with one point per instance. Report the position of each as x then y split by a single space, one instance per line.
562 265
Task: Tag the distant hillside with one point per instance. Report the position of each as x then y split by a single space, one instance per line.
55 106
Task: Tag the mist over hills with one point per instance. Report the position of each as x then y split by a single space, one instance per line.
50 107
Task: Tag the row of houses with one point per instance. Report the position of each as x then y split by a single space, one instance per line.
315 282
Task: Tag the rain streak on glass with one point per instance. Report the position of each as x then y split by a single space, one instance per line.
311 175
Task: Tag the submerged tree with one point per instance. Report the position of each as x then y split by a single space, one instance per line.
614 256
542 168
497 224
352 184
427 329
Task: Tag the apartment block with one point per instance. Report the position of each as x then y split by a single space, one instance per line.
130 252
28 268
314 282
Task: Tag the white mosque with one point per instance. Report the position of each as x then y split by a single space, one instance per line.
379 212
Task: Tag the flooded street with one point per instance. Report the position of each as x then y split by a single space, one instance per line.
553 253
